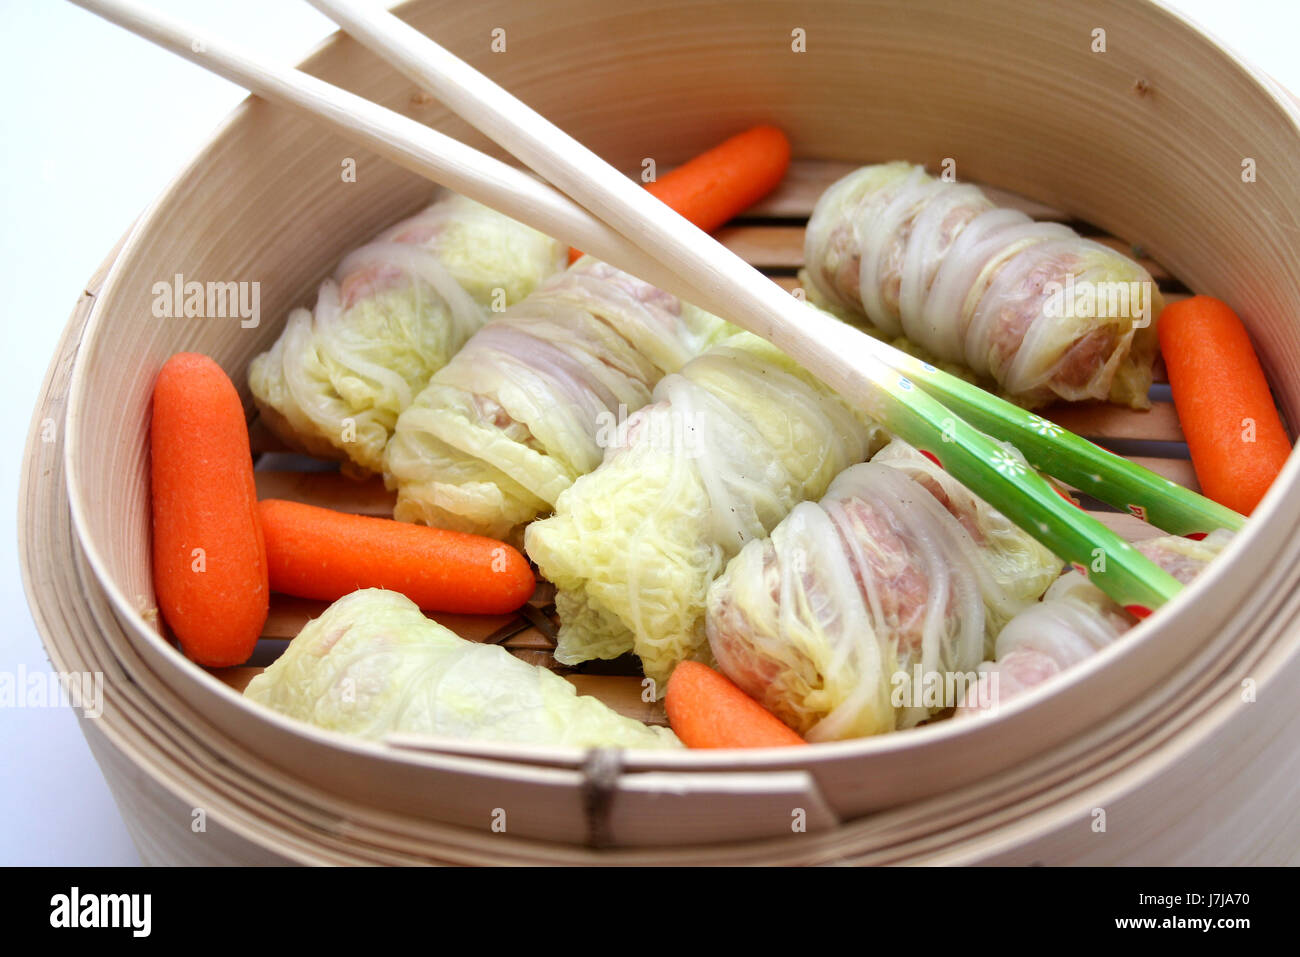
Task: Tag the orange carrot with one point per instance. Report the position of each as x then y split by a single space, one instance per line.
209 561
707 710
725 181
1237 442
319 553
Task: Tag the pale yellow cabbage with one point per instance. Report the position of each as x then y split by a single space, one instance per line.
1033 306
372 665
898 572
536 396
1019 565
1074 621
396 310
731 444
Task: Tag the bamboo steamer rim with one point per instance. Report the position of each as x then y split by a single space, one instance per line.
125 611
837 845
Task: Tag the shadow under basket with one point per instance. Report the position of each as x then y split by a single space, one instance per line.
1185 733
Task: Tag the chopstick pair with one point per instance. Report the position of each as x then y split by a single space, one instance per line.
619 222
601 188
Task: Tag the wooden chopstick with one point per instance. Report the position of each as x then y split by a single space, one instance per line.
861 369
607 193
661 247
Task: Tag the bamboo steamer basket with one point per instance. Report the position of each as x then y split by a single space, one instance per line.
1146 141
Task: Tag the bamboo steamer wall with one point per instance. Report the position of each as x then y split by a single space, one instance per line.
1145 140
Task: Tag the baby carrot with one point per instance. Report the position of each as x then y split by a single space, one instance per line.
209 562
319 553
707 710
724 181
1236 439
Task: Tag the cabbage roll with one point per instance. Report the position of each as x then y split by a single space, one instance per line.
1020 565
1033 306
536 396
1074 620
729 445
395 312
897 568
372 665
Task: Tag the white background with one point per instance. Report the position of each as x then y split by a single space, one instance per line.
94 123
